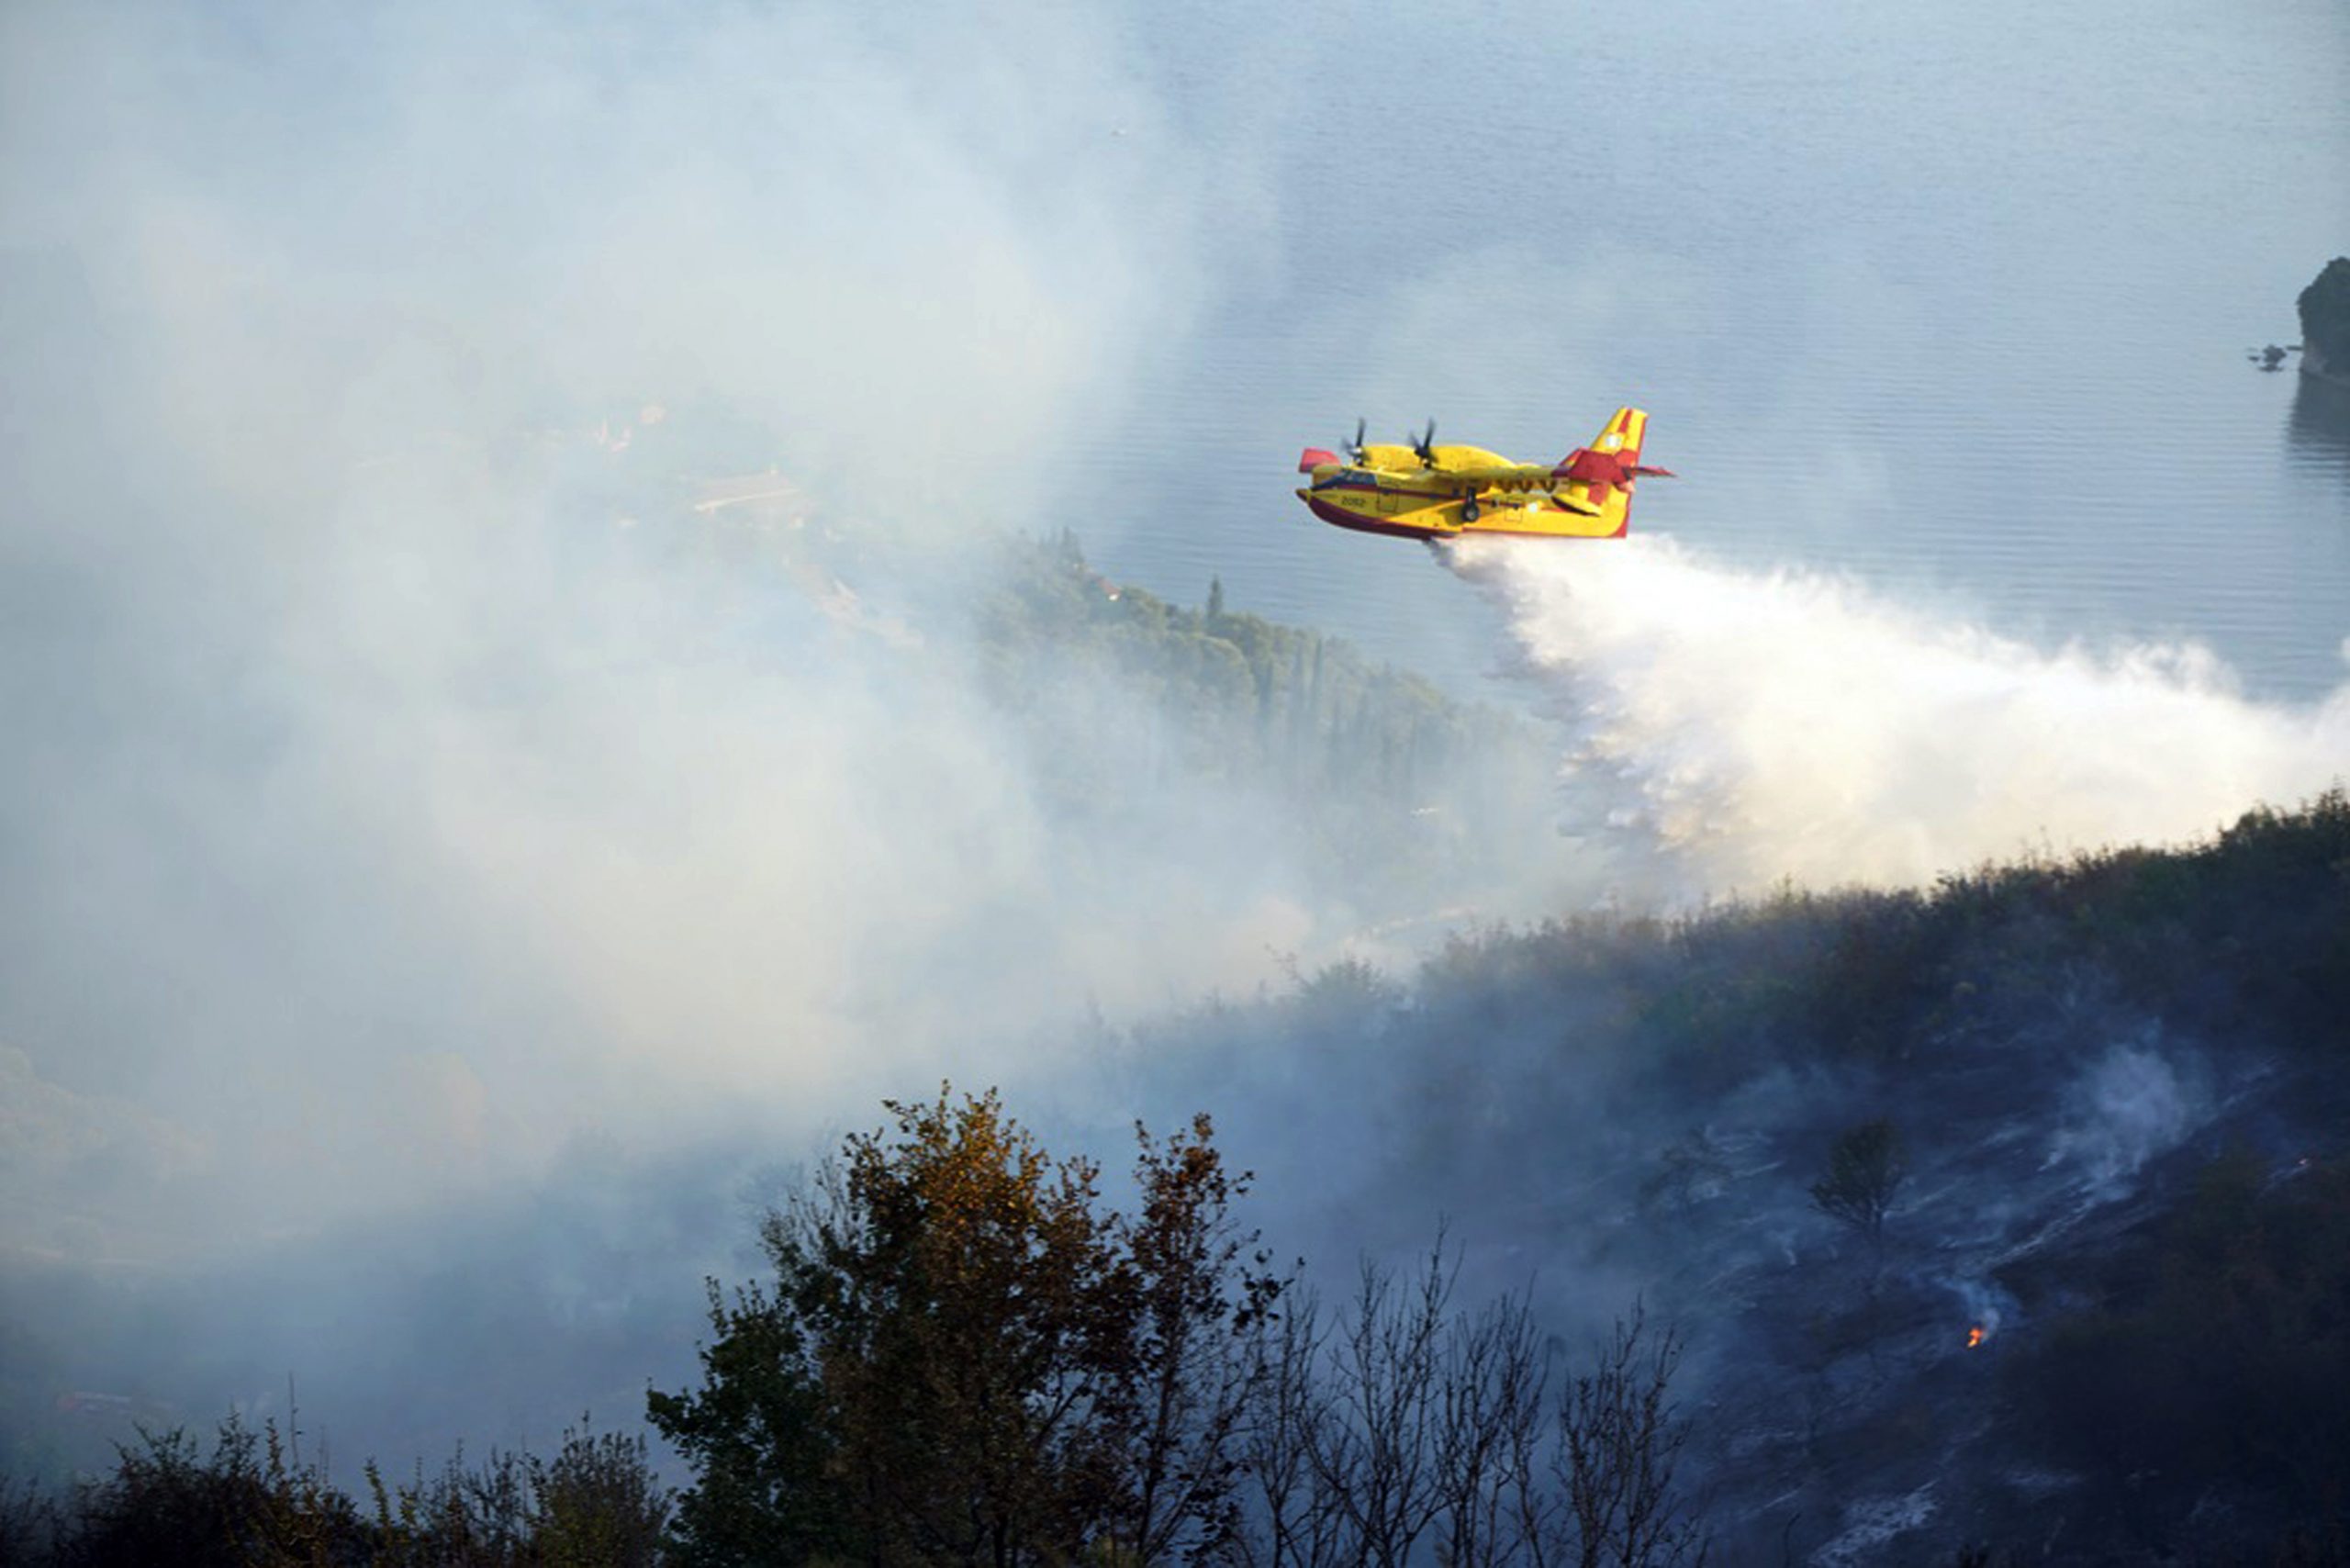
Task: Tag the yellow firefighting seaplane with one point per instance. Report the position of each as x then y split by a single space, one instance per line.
1431 492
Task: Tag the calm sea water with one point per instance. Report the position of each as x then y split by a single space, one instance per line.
1953 298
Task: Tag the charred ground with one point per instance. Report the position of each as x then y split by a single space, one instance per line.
2106 1316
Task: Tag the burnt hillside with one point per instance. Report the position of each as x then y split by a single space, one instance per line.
2108 1314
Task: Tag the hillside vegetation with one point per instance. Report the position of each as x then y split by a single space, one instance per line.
1391 792
2108 1092
2199 1332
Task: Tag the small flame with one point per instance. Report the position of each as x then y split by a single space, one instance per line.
1975 1336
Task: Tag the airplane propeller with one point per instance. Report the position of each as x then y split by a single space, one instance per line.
1425 445
1353 449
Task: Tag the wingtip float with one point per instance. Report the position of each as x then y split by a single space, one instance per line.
1421 490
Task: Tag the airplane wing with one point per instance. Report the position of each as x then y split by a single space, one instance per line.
1499 472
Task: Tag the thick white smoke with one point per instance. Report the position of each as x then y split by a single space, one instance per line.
1767 725
401 777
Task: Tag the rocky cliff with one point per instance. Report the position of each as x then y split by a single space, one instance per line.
2325 323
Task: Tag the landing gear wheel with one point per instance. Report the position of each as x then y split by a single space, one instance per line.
1469 511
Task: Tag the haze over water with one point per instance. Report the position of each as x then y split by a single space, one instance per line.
1952 299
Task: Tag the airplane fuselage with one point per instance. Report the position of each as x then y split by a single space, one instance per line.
1443 492
1372 502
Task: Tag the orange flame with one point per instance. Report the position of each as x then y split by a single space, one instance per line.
1975 1336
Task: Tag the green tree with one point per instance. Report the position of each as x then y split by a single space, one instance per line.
595 1505
965 1358
756 1440
248 1504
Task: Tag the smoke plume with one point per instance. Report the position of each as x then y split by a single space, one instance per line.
403 778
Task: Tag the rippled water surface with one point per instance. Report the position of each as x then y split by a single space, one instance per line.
1954 299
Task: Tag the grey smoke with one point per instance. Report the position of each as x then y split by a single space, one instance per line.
2129 1106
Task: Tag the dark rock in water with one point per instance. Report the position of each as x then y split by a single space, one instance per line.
2325 323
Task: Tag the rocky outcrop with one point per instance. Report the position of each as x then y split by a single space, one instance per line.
2325 323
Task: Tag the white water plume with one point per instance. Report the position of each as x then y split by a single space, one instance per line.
1762 725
